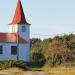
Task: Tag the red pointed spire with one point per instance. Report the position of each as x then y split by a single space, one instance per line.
19 17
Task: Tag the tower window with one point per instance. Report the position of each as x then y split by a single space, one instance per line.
13 29
23 29
13 50
1 50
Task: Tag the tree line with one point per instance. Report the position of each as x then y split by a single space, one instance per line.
59 50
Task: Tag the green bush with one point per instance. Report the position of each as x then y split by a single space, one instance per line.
20 64
12 63
55 59
38 59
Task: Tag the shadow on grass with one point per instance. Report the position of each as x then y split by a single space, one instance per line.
31 66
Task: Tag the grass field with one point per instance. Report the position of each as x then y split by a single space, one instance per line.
56 70
61 71
48 71
15 71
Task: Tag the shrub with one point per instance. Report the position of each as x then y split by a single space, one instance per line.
20 64
12 63
38 59
55 59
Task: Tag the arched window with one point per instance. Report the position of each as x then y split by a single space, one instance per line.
23 29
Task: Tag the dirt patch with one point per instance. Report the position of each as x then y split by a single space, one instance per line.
37 73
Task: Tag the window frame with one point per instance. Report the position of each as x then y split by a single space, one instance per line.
1 49
23 28
13 50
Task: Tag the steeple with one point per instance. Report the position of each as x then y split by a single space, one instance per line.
19 17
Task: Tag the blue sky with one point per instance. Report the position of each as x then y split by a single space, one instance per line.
48 17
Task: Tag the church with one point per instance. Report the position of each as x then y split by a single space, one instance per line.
15 45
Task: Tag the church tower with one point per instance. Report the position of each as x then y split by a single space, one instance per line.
20 26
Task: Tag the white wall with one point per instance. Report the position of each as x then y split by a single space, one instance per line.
11 28
26 34
7 52
24 49
24 52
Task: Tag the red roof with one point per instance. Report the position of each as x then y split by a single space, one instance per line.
11 38
19 17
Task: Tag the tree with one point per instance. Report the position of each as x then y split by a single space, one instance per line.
57 47
55 59
60 49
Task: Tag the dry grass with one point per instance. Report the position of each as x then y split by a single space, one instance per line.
15 71
47 71
61 70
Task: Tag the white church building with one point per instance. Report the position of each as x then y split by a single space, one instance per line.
15 44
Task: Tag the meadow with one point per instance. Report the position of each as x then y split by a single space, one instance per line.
46 71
